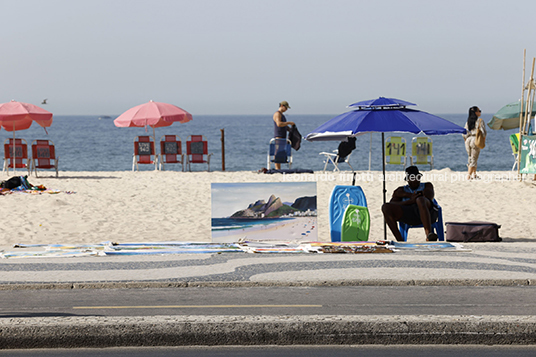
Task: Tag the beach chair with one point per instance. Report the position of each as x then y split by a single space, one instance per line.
44 156
279 152
18 159
437 226
170 151
395 151
333 158
342 154
421 151
144 152
197 151
514 143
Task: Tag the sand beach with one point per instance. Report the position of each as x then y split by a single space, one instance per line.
124 206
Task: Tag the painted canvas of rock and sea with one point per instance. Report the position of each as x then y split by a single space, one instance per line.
276 211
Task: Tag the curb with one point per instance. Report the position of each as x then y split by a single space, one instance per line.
78 332
240 284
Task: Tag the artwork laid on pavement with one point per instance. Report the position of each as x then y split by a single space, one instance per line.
282 211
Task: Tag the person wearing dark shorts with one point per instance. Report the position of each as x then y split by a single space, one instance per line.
412 204
281 126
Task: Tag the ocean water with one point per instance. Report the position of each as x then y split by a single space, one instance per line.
229 224
87 143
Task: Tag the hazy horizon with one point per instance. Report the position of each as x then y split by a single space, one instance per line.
241 57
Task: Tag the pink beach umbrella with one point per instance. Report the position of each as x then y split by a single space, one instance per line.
20 116
153 114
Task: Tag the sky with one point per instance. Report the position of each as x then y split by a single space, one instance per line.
228 198
102 57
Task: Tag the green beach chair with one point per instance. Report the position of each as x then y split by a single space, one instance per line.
514 143
421 151
395 151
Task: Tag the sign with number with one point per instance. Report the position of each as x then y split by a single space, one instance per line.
422 149
144 149
396 149
18 151
171 148
43 153
197 147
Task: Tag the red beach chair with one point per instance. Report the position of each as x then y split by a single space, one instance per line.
170 151
20 159
197 151
44 156
144 152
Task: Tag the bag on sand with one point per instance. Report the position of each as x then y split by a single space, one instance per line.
480 140
469 232
16 181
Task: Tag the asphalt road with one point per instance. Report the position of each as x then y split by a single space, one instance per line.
360 300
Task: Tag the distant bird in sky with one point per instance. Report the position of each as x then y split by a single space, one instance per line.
44 101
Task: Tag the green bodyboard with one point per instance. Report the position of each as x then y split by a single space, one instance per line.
355 224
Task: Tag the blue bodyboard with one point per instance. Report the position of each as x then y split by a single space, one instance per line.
341 197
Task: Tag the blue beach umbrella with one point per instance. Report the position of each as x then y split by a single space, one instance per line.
382 115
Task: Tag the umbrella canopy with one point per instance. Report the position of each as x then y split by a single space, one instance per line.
20 116
153 114
508 116
382 115
382 120
381 102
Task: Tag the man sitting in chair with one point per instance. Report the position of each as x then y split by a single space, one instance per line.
412 204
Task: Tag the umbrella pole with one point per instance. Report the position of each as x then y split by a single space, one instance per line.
383 170
13 152
155 156
370 153
521 115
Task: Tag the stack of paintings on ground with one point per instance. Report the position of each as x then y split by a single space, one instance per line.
260 247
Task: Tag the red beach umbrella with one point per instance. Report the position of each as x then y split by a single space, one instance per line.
20 116
153 114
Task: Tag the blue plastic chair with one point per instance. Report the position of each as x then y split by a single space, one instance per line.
280 152
437 226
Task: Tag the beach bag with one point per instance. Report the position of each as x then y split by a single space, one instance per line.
480 140
12 183
475 231
17 181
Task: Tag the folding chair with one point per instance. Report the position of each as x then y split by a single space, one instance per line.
17 159
144 152
197 151
279 152
421 150
334 159
44 156
395 151
170 151
437 226
342 154
514 143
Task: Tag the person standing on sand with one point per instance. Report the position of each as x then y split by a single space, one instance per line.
474 122
281 125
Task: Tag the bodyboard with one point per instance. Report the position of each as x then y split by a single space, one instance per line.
355 224
341 197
